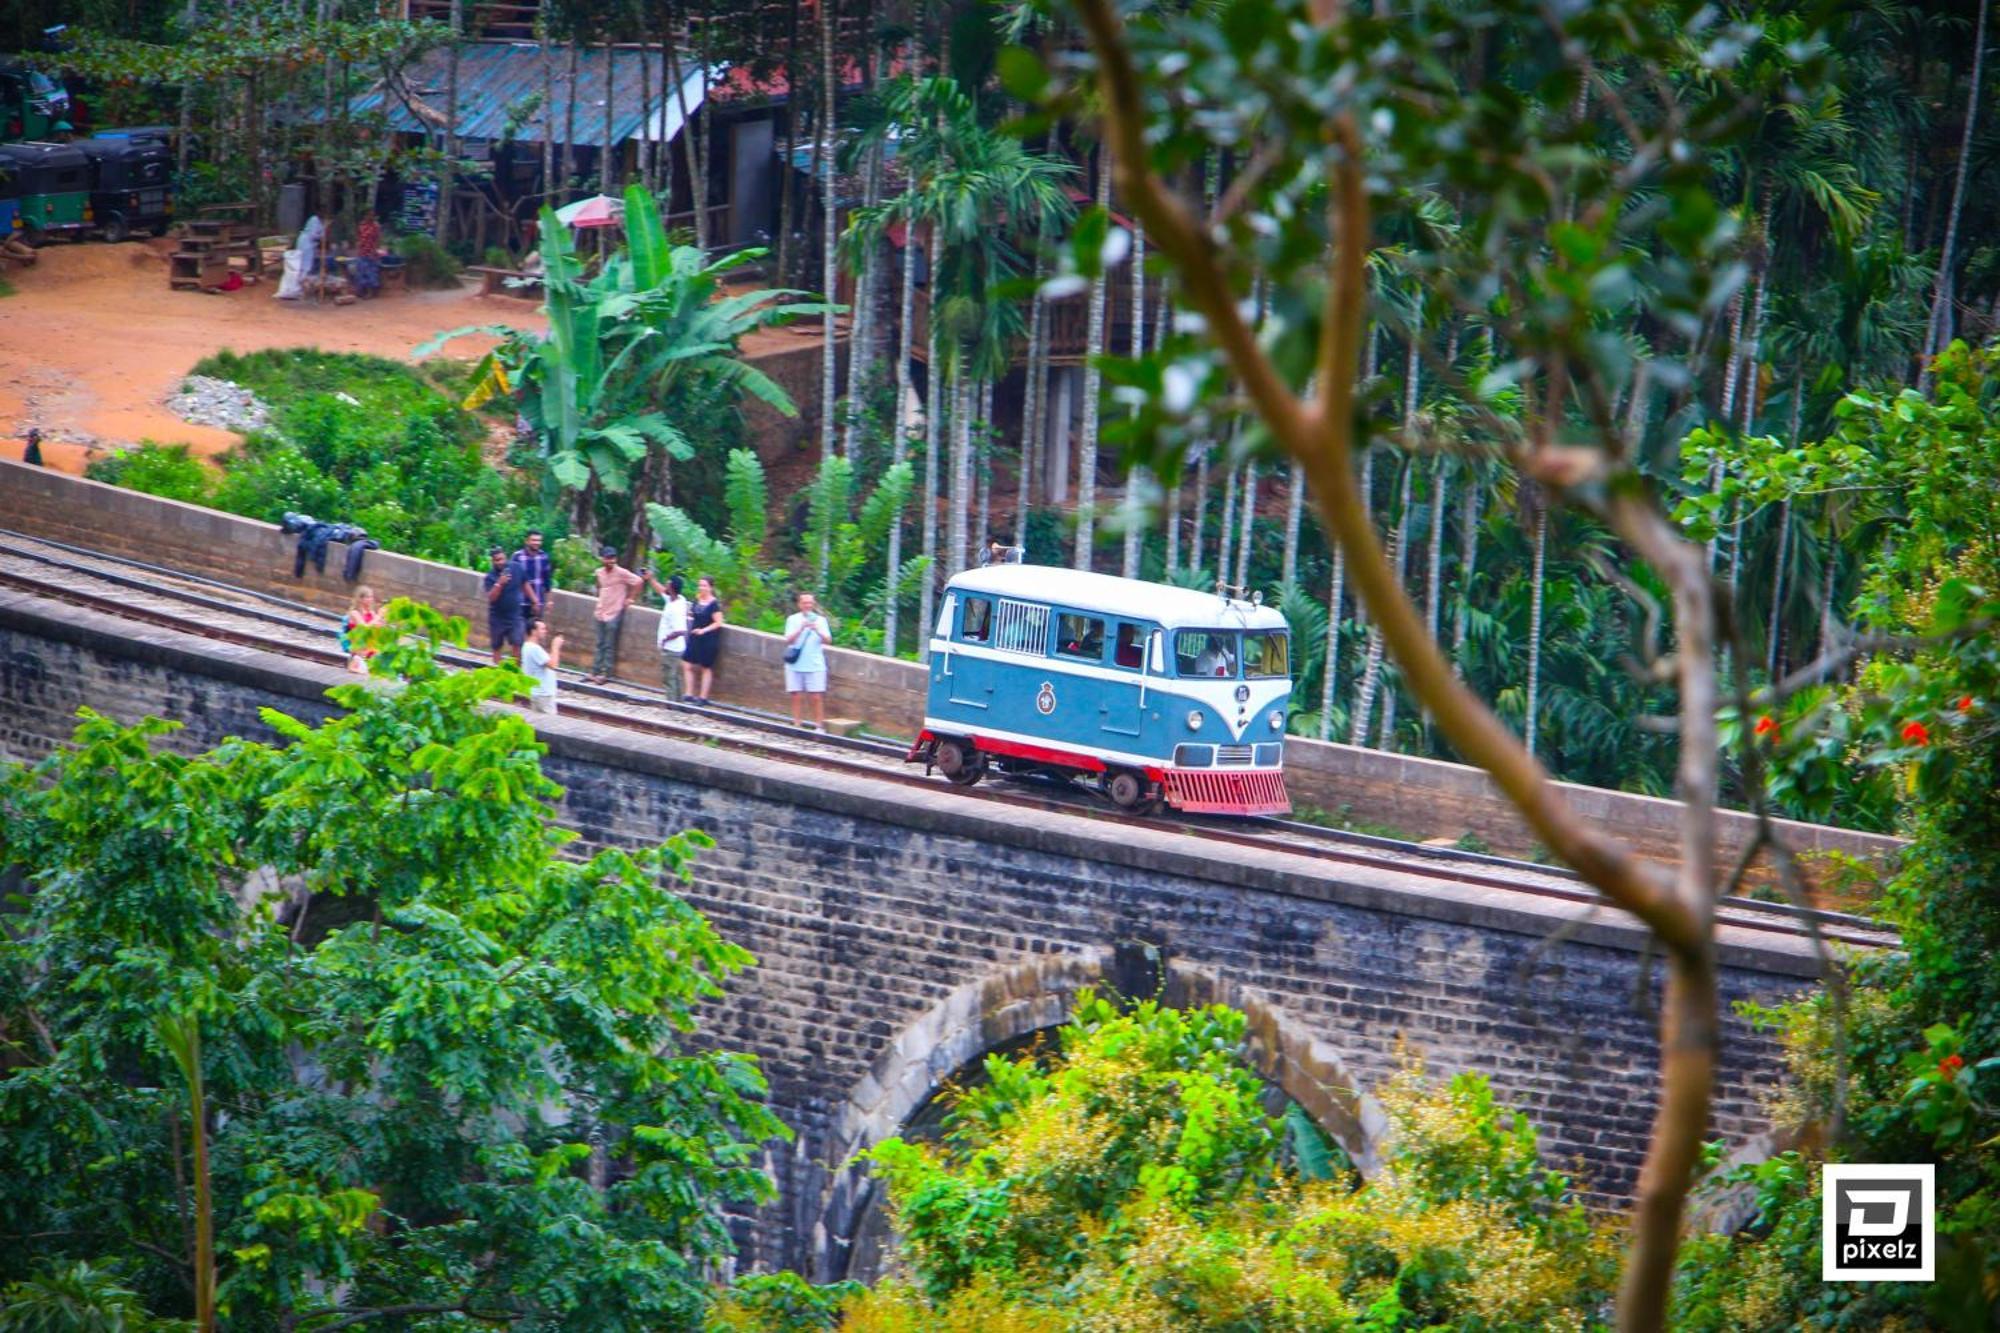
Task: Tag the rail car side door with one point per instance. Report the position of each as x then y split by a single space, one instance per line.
968 673
1125 697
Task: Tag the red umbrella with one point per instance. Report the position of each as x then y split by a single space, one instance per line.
600 210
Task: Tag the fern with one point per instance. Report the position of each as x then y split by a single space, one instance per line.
745 493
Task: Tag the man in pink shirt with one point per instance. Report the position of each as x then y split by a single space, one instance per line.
615 586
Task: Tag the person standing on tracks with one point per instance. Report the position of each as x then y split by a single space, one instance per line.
806 635
507 595
615 586
704 639
361 614
540 571
540 658
673 639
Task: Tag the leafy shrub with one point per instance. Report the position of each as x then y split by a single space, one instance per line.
426 263
1135 1181
157 469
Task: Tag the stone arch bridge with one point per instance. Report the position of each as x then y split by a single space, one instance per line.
902 932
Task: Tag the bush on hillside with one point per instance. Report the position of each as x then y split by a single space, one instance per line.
157 469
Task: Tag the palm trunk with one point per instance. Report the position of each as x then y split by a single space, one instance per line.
906 395
1371 676
1200 510
1775 625
1135 480
1468 565
1225 545
644 138
1086 456
1034 406
1405 505
1295 504
933 410
1731 370
1832 561
189 17
1935 339
1530 728
1330 669
548 109
1371 668
446 173
787 180
983 466
1246 530
961 466
606 155
861 337
569 118
829 237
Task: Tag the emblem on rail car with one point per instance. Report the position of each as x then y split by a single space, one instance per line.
1243 694
1045 702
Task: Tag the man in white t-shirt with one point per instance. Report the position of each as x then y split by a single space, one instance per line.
807 631
540 657
673 638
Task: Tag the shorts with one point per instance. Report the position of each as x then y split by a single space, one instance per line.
804 682
542 703
506 631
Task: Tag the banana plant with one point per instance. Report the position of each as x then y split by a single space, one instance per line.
632 351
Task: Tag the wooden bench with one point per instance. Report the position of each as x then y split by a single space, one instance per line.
493 282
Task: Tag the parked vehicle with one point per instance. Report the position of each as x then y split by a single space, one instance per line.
1153 694
31 103
130 188
54 183
10 200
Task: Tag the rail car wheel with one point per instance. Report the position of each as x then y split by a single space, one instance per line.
1127 790
961 764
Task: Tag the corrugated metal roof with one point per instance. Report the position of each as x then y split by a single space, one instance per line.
496 80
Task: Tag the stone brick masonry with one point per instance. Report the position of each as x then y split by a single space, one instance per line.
901 932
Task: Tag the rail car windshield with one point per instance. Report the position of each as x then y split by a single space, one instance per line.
1267 653
1207 652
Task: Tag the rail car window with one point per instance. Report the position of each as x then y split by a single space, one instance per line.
1267 653
1131 649
1080 636
1021 627
1205 652
977 627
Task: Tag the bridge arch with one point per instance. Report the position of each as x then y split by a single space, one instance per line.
1007 1007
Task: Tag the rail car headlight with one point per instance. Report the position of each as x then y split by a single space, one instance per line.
1277 719
1194 719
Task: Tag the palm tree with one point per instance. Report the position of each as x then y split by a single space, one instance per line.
1939 333
962 176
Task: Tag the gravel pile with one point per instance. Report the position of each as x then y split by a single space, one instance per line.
212 402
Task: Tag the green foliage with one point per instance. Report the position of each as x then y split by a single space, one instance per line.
637 354
431 1031
426 263
1133 1179
157 469
78 1298
356 438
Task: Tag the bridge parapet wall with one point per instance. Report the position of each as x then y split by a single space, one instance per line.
1422 798
900 931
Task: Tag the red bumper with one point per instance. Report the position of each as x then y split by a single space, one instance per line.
1218 791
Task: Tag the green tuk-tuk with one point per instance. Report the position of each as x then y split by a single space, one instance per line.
53 180
130 184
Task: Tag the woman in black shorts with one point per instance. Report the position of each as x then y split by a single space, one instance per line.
704 637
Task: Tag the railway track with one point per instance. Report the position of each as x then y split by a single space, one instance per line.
209 608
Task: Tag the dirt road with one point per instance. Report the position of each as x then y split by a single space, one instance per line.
93 342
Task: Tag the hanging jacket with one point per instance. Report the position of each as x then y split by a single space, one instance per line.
356 553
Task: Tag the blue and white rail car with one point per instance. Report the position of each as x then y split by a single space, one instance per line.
1158 694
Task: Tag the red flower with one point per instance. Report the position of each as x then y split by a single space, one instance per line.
1916 733
1766 725
1950 1065
1965 704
